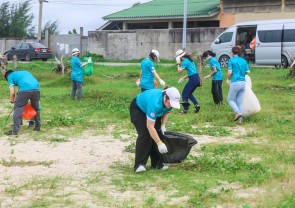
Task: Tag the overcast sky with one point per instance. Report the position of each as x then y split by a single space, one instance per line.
77 13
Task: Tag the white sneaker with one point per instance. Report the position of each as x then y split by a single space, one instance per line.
140 169
164 167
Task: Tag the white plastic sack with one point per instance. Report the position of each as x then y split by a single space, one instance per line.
251 104
248 81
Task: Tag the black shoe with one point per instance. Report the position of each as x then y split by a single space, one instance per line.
31 124
36 129
183 112
197 108
10 132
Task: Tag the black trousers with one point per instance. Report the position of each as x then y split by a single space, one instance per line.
216 91
145 145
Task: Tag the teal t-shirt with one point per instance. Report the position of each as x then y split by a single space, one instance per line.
189 66
77 71
214 63
239 67
23 80
151 103
147 67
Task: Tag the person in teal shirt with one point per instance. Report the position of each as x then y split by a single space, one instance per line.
28 89
77 74
149 112
148 71
237 70
185 62
217 76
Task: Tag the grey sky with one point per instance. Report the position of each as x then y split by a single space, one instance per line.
78 13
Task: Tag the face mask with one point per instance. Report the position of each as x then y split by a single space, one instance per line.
207 59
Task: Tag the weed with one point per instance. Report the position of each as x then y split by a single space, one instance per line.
13 162
130 148
64 121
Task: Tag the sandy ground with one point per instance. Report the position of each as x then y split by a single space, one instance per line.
77 158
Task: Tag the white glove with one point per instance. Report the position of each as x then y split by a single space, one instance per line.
163 129
207 77
137 83
228 81
180 80
177 60
162 147
162 82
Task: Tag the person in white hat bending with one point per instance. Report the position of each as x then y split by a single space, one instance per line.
148 72
185 62
77 74
149 112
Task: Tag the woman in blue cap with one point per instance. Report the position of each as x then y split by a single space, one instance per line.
185 62
237 70
217 76
149 112
148 72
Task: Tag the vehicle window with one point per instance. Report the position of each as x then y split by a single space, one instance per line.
226 37
17 46
25 46
289 35
270 36
37 45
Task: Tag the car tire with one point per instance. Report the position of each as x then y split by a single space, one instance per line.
44 59
28 57
223 60
284 63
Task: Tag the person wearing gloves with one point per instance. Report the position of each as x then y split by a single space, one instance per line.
185 62
217 77
149 112
77 74
237 70
148 72
28 89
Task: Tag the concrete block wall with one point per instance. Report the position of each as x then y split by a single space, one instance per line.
136 44
7 43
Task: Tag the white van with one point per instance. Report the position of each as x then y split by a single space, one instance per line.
275 42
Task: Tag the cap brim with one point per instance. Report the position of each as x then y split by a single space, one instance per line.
175 104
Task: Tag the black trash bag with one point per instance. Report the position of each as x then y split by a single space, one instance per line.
178 145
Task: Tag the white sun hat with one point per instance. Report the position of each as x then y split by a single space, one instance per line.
180 53
174 97
157 54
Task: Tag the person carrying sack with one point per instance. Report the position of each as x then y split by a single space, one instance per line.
185 62
149 112
28 89
237 70
77 74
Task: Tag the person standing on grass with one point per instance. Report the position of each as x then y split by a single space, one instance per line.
185 62
148 72
28 89
237 70
217 77
149 113
77 74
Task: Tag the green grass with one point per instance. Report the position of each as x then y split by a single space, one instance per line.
261 157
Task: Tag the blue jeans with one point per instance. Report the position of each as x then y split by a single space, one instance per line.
235 96
189 88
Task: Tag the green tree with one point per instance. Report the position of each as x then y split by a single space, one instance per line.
52 28
4 19
73 32
15 20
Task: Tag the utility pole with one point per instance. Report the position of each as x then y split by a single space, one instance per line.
184 26
40 18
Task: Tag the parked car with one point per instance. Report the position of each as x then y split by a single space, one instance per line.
28 51
274 42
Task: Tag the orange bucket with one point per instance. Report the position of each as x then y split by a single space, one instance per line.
29 112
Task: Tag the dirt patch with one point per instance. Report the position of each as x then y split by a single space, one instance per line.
76 157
